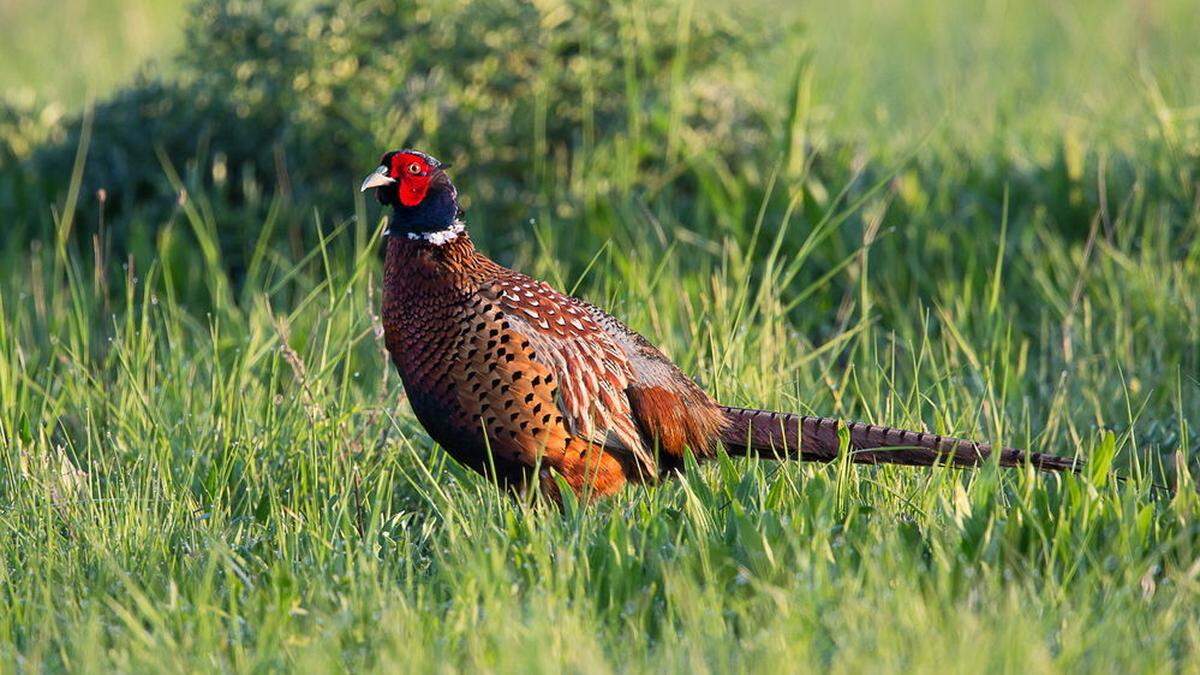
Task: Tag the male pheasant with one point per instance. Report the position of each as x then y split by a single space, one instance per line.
522 383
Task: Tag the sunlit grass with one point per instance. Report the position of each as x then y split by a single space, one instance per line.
245 487
212 470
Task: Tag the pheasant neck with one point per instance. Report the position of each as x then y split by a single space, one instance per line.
441 237
436 218
408 254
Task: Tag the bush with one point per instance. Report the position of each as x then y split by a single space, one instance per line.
526 97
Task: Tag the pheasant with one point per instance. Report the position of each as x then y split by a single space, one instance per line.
534 388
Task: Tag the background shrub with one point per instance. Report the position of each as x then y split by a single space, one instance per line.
525 98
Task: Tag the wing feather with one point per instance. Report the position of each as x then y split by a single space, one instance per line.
593 371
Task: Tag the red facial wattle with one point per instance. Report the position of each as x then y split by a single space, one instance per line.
413 174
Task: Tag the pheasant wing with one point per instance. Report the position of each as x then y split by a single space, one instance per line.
592 370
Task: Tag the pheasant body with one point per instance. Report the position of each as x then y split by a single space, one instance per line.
525 384
510 376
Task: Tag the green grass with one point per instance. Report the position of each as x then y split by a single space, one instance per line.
206 471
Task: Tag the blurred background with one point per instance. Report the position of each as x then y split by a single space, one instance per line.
589 100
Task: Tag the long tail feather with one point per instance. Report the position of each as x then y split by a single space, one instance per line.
784 435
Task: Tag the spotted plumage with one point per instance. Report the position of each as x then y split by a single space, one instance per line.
527 385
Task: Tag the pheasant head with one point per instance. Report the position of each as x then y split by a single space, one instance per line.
424 202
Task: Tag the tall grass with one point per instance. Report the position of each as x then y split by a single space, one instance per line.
243 488
205 469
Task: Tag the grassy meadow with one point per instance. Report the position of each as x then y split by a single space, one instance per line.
976 218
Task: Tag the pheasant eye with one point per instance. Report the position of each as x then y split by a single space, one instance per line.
414 168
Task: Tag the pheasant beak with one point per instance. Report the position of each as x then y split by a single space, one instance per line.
377 178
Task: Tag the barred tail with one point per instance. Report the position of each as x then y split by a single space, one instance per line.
815 439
